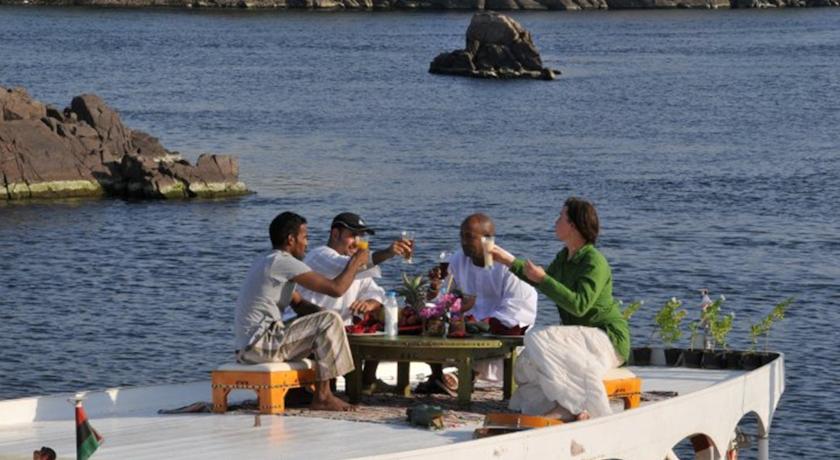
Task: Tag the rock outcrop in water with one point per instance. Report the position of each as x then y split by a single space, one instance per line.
85 150
497 47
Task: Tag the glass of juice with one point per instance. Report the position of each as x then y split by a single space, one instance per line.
363 242
408 236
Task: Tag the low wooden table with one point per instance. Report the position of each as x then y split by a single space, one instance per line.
447 351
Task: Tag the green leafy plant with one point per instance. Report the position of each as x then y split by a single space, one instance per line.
631 309
693 334
720 325
414 290
669 320
762 328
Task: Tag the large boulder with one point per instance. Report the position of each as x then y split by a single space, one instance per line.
85 150
496 47
115 137
15 104
212 176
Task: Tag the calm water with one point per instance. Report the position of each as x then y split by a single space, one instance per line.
706 139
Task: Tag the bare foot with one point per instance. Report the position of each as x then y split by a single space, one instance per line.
582 416
331 403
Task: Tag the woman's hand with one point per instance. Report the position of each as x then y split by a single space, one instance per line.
534 272
501 256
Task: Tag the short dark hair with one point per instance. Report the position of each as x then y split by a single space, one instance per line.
285 224
51 455
481 219
582 214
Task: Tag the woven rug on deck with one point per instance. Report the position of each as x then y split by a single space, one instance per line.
389 408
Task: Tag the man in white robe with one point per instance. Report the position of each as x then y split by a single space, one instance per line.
494 295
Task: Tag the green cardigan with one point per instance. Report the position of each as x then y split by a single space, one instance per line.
582 289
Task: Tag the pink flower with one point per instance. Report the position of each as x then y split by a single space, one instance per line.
432 312
455 306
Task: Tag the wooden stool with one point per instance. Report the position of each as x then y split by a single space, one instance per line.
623 384
270 381
496 423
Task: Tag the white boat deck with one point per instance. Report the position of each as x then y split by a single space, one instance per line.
128 420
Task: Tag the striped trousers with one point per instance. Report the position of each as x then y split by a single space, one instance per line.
320 334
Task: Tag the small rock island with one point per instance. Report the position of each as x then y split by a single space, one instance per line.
497 47
86 151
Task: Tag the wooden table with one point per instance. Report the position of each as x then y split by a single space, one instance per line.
460 353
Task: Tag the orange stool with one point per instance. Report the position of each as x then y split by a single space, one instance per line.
271 382
623 384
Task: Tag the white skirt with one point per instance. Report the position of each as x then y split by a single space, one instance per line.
564 365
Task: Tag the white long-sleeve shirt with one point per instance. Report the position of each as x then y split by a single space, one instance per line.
498 292
330 263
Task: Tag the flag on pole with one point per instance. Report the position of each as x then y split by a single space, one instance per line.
87 439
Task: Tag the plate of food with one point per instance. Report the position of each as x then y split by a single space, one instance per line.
364 329
367 333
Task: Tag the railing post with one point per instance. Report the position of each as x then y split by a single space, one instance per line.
764 447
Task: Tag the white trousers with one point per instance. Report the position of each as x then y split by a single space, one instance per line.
564 365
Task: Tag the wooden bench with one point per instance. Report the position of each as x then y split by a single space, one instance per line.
621 383
271 382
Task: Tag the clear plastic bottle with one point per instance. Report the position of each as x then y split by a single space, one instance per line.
391 313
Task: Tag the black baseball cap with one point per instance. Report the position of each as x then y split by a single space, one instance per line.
51 455
353 222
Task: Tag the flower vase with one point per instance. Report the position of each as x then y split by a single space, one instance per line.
434 327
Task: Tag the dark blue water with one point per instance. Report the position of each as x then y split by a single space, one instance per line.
706 139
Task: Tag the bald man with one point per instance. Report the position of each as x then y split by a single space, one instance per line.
494 295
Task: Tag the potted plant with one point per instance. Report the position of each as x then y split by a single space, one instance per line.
752 359
668 321
639 356
719 327
693 357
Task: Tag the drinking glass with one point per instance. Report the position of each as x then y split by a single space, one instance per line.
408 236
363 242
443 260
487 243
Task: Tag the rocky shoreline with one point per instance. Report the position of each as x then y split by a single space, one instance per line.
469 5
86 151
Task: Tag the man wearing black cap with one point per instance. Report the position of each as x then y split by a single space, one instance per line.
44 454
363 295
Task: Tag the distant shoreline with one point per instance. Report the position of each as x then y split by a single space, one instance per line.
435 5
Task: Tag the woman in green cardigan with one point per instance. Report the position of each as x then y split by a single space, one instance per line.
564 366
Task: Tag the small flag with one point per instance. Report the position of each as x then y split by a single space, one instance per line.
87 439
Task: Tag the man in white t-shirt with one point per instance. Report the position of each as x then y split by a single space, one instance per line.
493 295
270 287
364 295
